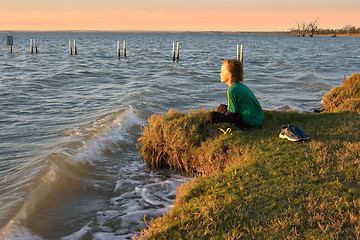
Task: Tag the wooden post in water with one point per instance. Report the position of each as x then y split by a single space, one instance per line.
10 42
70 49
237 52
75 50
173 52
177 51
36 50
124 50
240 53
118 49
31 46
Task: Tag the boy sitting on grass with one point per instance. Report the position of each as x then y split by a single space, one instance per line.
243 108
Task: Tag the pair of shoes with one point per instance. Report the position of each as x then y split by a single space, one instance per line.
293 134
289 133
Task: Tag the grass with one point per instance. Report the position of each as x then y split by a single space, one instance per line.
344 97
251 184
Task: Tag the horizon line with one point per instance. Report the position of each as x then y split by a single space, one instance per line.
151 31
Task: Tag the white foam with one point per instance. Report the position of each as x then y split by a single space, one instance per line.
140 193
105 216
120 183
136 218
159 193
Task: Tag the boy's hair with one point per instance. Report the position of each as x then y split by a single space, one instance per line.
235 67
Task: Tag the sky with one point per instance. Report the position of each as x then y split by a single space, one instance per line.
170 15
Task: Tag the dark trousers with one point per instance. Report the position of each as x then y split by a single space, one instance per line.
224 116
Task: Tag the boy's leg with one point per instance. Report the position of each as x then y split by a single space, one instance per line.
215 117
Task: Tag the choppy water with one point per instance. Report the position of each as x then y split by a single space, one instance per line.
69 168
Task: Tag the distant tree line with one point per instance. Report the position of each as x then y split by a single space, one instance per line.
348 29
312 29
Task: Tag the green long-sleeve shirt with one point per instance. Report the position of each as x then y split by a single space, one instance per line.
242 100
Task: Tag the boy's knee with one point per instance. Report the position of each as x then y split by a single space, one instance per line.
222 108
210 117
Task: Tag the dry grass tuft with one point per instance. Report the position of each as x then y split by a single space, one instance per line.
345 97
186 143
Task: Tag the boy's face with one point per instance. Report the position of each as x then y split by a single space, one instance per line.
224 74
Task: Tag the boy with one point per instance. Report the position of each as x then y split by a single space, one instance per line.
243 108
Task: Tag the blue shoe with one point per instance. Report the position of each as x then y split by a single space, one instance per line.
289 133
301 133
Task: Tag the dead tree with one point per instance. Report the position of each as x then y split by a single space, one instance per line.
312 27
298 30
304 29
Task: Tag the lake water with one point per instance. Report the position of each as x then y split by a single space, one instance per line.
69 167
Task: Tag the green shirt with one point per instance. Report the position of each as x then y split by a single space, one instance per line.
242 100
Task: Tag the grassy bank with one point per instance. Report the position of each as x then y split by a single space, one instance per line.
250 183
345 97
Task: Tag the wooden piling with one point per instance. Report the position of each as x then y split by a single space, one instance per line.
31 46
35 47
124 50
118 49
177 51
237 52
10 42
240 53
173 52
70 49
75 49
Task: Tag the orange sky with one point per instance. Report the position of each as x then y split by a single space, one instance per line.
183 15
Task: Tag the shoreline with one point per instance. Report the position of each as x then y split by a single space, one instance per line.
284 33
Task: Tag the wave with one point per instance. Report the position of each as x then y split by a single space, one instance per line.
67 168
104 137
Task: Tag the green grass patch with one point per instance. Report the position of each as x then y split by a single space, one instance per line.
250 183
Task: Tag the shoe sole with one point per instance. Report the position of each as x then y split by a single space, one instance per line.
288 138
